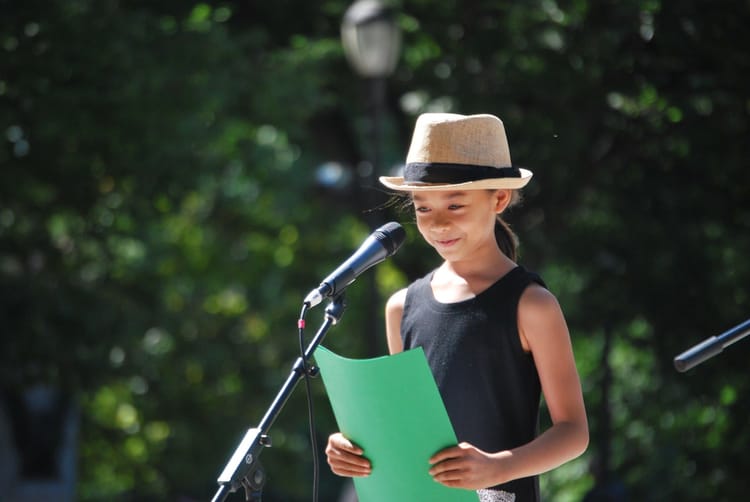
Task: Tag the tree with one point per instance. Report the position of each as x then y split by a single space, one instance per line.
160 220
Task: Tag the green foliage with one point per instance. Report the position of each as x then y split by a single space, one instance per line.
160 220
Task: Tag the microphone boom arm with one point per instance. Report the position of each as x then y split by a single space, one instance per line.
243 467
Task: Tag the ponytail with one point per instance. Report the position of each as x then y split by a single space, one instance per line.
506 239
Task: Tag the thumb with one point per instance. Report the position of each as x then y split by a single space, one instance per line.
342 442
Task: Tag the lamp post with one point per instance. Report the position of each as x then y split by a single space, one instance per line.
371 38
372 43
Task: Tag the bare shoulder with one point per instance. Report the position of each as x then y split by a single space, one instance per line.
540 317
537 299
396 302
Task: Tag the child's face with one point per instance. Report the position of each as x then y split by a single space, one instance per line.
459 224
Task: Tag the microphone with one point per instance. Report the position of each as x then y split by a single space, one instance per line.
381 244
710 347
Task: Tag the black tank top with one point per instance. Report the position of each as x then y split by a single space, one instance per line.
489 385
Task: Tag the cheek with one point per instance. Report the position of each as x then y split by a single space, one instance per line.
421 224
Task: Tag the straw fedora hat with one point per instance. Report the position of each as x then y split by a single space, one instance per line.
458 152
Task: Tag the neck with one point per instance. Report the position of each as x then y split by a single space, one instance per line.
490 266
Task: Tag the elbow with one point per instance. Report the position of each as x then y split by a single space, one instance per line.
582 439
578 438
584 443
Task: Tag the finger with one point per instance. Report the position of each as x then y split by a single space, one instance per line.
450 478
346 464
350 473
445 454
350 470
341 457
450 475
446 467
340 442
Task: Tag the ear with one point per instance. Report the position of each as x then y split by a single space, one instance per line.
502 198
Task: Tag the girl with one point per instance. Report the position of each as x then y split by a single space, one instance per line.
493 335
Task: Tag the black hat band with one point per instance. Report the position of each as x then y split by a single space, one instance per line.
437 172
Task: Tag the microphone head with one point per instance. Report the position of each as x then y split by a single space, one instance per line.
391 236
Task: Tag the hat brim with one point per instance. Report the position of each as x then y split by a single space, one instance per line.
397 183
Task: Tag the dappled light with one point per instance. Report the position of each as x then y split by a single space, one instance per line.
174 178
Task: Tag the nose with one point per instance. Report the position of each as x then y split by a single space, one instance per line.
440 224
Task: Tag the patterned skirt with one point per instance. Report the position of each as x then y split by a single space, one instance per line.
495 496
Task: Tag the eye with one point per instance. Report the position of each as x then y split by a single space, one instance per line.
454 207
421 209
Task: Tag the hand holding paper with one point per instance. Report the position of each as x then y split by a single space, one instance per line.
346 458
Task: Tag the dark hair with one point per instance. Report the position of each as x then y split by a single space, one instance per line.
506 238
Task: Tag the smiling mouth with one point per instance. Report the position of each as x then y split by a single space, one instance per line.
447 242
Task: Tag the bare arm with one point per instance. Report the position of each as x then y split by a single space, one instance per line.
394 311
542 324
545 334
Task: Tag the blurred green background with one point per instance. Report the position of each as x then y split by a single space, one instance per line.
175 177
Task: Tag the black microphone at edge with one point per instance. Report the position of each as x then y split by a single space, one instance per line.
710 347
381 244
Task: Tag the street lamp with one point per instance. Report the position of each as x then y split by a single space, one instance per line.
371 38
372 44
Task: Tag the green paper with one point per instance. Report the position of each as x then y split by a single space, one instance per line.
391 407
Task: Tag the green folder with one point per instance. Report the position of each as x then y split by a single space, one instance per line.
391 407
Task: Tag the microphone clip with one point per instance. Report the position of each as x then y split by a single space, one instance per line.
336 308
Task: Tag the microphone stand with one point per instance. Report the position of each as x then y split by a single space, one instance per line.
710 347
243 468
